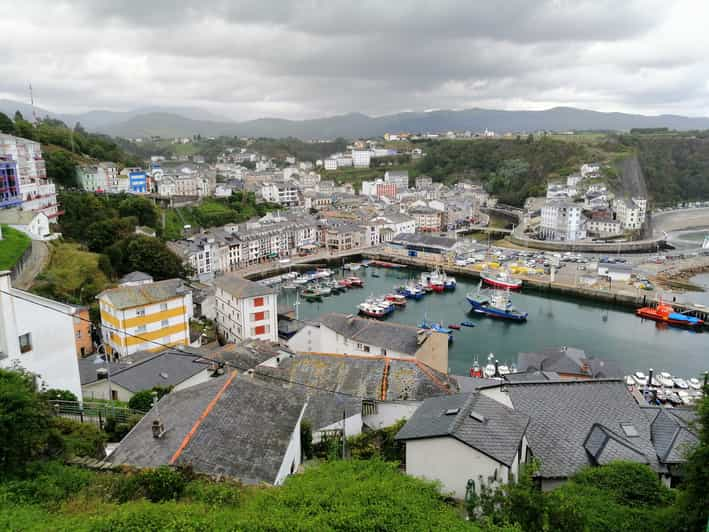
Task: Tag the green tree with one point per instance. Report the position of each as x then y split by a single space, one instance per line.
24 421
61 167
138 252
104 233
142 208
6 125
143 400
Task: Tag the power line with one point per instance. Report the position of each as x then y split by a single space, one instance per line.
175 351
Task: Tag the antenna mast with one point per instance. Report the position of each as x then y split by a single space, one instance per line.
34 113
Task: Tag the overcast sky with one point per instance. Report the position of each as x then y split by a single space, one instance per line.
305 59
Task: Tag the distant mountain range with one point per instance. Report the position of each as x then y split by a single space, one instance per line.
172 122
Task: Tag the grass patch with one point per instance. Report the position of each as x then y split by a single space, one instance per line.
73 275
12 246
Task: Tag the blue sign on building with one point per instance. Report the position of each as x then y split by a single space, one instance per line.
138 182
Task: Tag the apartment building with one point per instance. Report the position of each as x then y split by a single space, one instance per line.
361 158
400 178
384 227
183 185
99 177
10 195
40 336
562 220
245 309
427 219
423 182
145 317
630 212
37 192
343 236
286 194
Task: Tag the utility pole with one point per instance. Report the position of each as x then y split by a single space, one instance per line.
34 113
344 435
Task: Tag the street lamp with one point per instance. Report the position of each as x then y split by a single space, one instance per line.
104 358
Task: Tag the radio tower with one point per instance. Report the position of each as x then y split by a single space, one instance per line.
34 113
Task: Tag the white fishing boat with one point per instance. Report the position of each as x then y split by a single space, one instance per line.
640 378
664 379
352 266
694 384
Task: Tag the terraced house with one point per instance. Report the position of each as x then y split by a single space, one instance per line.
145 317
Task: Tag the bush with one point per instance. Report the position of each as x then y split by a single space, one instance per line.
381 443
306 439
225 493
628 483
116 430
162 483
143 400
58 395
79 439
46 483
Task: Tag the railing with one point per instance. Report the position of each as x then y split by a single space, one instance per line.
93 412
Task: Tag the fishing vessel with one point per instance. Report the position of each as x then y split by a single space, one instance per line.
449 282
467 324
397 299
411 291
497 305
476 370
501 279
355 282
310 294
373 311
666 313
352 266
435 280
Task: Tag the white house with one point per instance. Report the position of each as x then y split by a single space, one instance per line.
33 224
283 193
361 158
630 212
400 178
350 335
245 309
465 441
38 334
615 272
562 220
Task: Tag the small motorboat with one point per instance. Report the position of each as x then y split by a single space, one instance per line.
372 311
397 299
467 324
355 282
476 370
345 283
665 379
454 326
667 314
694 383
502 280
680 383
375 274
310 294
640 378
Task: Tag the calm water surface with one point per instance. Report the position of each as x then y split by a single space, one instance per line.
610 333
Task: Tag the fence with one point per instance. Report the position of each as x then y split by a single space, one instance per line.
93 412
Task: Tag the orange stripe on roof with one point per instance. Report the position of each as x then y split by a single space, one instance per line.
385 381
430 374
201 418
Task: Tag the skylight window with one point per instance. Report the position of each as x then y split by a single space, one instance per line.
629 430
477 417
452 411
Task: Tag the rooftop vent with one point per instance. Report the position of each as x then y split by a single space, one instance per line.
452 411
629 430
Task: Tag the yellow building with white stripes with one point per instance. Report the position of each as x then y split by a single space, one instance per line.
145 317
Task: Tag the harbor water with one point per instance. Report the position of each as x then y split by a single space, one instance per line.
602 331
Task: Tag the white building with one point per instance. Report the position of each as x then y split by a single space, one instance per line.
38 334
465 442
604 226
562 220
400 178
38 193
631 213
350 335
286 194
245 309
361 158
33 224
289 172
330 164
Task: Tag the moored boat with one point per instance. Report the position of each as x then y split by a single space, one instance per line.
667 314
501 279
311 294
373 311
467 324
355 282
397 299
497 305
454 326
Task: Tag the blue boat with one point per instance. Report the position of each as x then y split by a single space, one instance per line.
498 305
467 324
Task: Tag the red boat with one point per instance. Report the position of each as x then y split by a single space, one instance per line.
501 280
667 314
355 281
345 282
396 299
454 326
476 370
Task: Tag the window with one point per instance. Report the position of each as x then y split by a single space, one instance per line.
258 302
261 329
140 312
140 328
26 343
163 306
259 316
163 323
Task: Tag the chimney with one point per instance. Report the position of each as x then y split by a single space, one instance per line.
497 369
250 372
649 378
158 429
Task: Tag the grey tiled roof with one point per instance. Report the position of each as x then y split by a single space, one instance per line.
238 287
421 239
133 296
244 436
249 354
672 435
496 430
532 376
468 384
567 360
167 368
606 446
388 335
135 276
564 412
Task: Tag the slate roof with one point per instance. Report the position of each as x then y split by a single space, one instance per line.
388 335
563 414
567 360
356 377
238 287
421 239
143 371
135 296
496 430
246 355
244 435
672 435
135 277
468 384
605 446
532 376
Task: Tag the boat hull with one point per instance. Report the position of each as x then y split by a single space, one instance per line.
493 312
649 313
507 285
